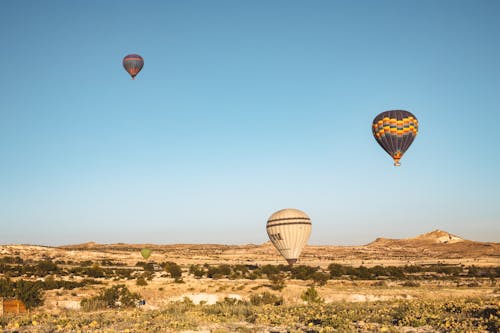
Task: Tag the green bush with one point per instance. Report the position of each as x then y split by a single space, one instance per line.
197 271
114 297
336 270
174 270
11 260
95 271
220 271
51 283
86 263
266 298
268 270
311 296
46 267
277 281
30 292
320 278
303 272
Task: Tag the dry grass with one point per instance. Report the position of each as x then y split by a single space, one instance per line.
384 305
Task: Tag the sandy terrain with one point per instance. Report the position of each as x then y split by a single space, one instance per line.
437 247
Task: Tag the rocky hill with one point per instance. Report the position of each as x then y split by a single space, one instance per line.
433 237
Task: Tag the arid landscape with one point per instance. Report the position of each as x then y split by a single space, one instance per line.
436 282
249 166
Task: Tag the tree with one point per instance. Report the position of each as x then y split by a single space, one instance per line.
174 270
29 292
46 267
320 278
197 270
303 272
277 281
336 270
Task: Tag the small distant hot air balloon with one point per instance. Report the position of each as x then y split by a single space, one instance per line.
133 64
146 253
395 130
289 230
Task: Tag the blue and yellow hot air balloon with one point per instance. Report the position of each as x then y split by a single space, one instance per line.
395 130
133 64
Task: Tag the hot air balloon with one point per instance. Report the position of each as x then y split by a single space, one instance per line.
146 253
133 64
289 229
395 130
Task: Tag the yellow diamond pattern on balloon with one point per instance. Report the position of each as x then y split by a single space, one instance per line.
397 127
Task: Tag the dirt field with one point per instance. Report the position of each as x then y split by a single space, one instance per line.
449 296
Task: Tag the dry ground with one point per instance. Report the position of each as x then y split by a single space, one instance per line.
162 290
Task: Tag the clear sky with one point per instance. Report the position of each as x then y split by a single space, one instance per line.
244 108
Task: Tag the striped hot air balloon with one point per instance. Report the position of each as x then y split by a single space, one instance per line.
133 64
289 230
395 130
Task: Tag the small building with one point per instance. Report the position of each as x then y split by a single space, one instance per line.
11 306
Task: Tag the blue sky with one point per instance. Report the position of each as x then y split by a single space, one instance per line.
244 108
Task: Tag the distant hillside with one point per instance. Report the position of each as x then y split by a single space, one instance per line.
167 247
434 237
435 245
438 244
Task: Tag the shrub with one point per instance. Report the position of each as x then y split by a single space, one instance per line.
46 267
114 297
51 283
149 267
303 272
311 296
269 270
27 291
231 308
11 260
277 281
95 271
92 304
197 271
141 281
242 269
6 288
361 272
217 272
266 298
123 273
86 263
395 272
320 278
173 269
336 270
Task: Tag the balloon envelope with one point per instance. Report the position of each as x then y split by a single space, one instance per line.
289 230
133 64
395 131
146 253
